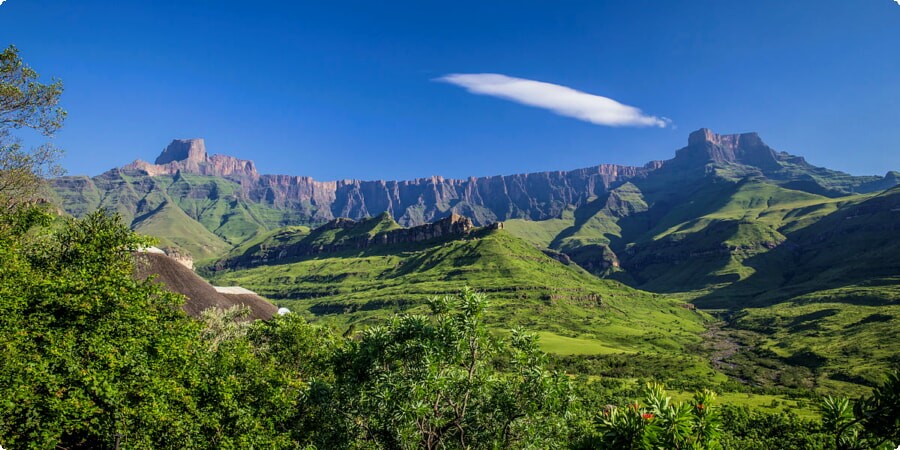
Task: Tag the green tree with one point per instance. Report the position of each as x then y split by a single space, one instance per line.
443 381
91 357
25 103
661 423
745 428
88 354
872 422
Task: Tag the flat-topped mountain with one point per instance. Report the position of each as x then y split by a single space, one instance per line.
189 155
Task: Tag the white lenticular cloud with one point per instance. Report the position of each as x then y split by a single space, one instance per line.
562 100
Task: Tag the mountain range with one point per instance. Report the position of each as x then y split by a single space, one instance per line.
799 261
534 196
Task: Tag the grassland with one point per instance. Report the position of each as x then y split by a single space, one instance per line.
565 304
174 228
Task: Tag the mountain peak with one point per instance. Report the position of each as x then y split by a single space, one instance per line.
731 141
183 150
705 147
189 155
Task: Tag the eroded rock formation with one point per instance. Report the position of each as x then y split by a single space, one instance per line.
486 200
454 226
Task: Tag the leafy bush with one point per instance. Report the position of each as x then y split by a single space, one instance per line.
872 422
442 381
660 423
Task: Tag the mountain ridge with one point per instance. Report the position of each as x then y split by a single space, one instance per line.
533 196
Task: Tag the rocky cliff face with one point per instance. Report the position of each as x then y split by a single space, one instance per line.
534 196
486 200
189 155
706 147
453 226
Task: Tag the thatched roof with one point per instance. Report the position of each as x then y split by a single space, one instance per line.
200 294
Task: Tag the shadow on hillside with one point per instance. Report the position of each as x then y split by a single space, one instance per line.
853 246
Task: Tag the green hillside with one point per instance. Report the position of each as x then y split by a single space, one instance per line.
260 245
174 228
769 243
810 281
530 289
842 336
206 216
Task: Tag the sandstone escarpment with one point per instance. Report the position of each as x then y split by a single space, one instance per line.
343 234
189 155
535 196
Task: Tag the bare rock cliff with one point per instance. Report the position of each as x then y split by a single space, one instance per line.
189 155
453 226
486 200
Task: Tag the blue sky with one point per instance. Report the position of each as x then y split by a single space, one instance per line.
346 89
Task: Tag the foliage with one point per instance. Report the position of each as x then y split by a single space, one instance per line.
872 422
91 357
745 428
25 103
661 423
89 353
442 381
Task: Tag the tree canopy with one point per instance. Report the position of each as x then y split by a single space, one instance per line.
26 103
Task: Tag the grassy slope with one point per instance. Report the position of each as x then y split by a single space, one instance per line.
703 244
215 203
174 228
540 233
196 207
835 314
824 305
566 304
845 335
278 237
368 227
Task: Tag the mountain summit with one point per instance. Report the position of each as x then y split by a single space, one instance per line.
189 155
183 150
704 147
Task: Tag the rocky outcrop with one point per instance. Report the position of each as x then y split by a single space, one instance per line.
354 237
185 150
598 259
705 147
200 295
189 155
180 256
453 226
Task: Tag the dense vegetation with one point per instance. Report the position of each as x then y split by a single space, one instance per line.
93 358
